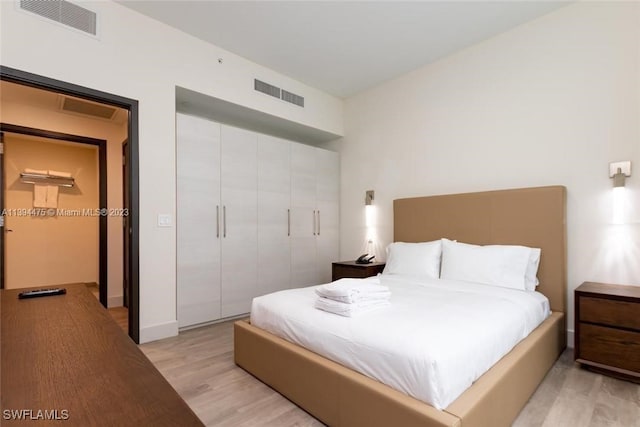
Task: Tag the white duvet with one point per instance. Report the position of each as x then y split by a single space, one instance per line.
432 342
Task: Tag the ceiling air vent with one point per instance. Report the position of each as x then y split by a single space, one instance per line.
63 12
276 92
78 106
266 88
292 98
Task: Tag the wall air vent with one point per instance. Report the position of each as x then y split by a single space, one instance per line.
86 108
266 88
64 12
292 98
276 92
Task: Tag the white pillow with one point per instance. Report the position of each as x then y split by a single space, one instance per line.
414 259
498 265
530 277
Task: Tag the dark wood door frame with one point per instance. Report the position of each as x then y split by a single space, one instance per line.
102 183
126 236
28 79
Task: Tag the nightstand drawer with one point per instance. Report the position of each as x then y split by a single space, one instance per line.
610 312
610 346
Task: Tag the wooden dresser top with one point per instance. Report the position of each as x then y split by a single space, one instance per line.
65 352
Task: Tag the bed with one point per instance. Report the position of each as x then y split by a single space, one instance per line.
340 396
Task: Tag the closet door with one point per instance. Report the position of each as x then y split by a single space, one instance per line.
327 212
274 196
304 267
239 219
198 200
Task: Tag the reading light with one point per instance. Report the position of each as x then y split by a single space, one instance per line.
370 221
368 197
618 178
619 171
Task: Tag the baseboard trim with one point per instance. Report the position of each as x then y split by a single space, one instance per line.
570 338
116 301
158 332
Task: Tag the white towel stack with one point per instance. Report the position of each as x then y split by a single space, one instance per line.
351 297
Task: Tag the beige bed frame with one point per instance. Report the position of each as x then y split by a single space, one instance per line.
339 396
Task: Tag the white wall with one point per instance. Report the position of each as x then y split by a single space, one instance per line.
143 59
550 102
47 119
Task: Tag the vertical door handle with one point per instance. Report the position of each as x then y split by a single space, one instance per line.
318 222
218 221
288 222
314 222
224 221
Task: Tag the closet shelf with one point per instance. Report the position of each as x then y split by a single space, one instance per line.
45 179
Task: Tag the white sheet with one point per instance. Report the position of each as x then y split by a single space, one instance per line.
433 340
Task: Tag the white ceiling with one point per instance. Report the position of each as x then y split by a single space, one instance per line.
343 47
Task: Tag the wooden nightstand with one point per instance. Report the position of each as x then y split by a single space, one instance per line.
607 329
344 269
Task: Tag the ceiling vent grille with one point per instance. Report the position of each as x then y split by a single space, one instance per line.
64 12
78 106
292 98
276 92
263 87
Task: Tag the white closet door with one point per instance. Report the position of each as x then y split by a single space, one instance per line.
240 219
328 212
304 267
198 196
274 195
327 206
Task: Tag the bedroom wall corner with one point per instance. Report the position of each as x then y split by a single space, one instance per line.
550 102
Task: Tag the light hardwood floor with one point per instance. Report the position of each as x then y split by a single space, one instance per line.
199 365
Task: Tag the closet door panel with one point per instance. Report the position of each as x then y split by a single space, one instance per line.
198 195
303 176
304 268
327 175
328 238
304 265
327 205
274 196
239 220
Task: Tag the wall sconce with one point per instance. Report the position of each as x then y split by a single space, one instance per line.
368 197
619 171
370 221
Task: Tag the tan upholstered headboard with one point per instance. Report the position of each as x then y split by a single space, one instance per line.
532 217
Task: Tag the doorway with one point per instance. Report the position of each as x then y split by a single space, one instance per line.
65 88
61 239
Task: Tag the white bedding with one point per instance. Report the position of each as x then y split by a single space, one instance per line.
432 342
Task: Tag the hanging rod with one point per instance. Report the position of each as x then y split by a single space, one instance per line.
37 178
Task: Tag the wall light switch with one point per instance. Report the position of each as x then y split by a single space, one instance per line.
165 220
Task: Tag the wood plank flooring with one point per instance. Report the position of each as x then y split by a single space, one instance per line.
121 316
199 365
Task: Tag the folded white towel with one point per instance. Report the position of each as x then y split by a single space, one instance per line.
349 310
36 171
52 196
59 174
39 196
354 290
